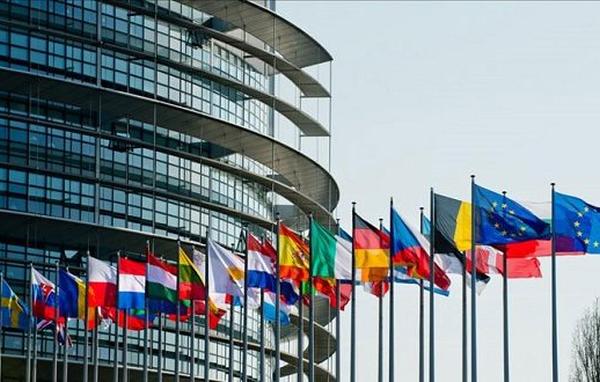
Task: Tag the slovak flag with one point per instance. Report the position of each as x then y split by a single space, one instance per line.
44 296
132 284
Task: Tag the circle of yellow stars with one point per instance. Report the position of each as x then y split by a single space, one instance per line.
579 229
498 208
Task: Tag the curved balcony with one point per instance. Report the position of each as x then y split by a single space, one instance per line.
300 172
309 86
286 38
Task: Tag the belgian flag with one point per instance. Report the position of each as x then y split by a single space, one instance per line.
452 223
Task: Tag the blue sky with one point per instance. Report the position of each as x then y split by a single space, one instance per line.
426 93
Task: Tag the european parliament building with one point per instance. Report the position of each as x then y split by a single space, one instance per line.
124 122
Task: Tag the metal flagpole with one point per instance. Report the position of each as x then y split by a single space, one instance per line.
422 311
160 348
192 322
231 323
65 371
338 364
300 334
95 354
391 313
125 350
56 315
505 310
34 327
277 307
465 328
86 363
245 312
261 362
30 321
473 284
431 288
353 305
380 326
177 322
206 306
554 312
311 312
146 323
116 358
338 332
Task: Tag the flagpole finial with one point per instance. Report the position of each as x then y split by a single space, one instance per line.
421 208
504 193
353 203
552 184
473 176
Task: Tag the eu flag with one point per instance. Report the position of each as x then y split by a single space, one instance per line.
500 220
577 225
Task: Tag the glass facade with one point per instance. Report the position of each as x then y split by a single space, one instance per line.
80 163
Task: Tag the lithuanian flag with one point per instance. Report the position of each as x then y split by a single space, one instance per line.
453 221
293 255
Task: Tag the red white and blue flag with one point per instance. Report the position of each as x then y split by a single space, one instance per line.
44 297
132 284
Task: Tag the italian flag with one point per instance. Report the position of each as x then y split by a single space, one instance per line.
161 283
331 254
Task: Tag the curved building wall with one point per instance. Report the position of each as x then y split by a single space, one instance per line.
84 163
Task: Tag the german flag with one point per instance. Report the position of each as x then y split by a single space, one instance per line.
371 247
453 222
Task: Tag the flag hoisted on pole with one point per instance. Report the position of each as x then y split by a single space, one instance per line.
431 290
56 316
245 309
86 320
207 308
146 324
116 321
473 283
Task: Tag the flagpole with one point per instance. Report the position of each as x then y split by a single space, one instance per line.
311 311
277 306
125 350
95 353
338 364
30 317
231 323
192 342
116 359
33 324
465 360
380 325
245 312
300 334
338 332
146 323
56 315
261 363
86 363
177 322
431 288
473 284
65 373
505 310
206 307
160 348
391 313
353 304
554 302
422 311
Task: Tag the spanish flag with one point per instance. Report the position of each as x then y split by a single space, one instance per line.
371 248
453 221
293 255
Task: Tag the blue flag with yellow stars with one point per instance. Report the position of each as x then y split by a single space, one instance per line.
577 225
500 220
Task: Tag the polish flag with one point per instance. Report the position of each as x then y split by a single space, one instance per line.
102 281
490 261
